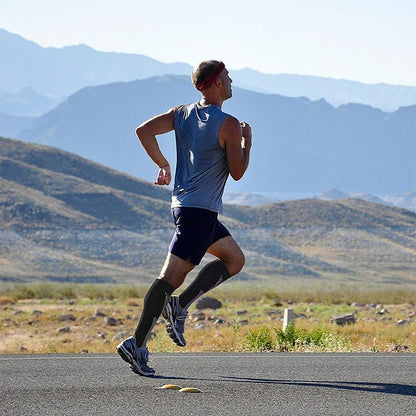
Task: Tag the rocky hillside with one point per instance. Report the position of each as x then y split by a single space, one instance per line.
65 218
48 188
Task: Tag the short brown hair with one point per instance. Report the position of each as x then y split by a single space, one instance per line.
202 71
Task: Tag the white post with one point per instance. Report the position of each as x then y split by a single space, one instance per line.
288 318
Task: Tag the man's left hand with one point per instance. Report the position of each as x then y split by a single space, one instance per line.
164 176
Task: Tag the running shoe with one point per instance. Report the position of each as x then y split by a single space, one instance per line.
175 316
136 357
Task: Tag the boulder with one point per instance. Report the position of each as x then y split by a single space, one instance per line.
111 321
344 319
208 303
67 317
382 311
63 330
197 316
99 312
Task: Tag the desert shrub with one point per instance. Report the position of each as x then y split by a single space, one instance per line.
260 340
24 292
95 292
46 291
317 339
7 300
289 339
67 292
293 339
132 302
131 292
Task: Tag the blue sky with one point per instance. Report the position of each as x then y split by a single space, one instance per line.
365 40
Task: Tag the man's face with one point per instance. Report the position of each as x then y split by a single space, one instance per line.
226 82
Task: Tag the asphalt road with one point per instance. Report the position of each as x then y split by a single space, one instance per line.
231 384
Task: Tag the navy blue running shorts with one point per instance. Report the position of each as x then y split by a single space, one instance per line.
196 230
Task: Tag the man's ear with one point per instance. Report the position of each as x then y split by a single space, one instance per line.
218 82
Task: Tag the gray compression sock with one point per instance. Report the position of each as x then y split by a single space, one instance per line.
154 301
210 276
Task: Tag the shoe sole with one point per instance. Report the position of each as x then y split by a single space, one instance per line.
167 314
173 335
128 358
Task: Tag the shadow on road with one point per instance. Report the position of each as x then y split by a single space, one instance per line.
387 388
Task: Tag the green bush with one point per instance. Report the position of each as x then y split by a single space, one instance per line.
293 339
67 292
289 339
260 340
46 291
24 292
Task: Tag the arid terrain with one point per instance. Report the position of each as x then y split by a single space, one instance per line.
95 320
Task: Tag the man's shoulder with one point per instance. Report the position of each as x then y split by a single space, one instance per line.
184 107
231 122
230 131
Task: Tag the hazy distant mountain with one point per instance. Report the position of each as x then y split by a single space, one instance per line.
26 103
60 72
245 198
10 126
333 195
407 200
64 218
335 91
299 145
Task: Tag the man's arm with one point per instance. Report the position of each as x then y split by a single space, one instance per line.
235 138
147 133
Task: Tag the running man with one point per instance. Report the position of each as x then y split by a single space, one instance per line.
210 146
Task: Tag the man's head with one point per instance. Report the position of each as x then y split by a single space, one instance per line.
211 72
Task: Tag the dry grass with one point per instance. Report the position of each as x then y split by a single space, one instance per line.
32 325
7 300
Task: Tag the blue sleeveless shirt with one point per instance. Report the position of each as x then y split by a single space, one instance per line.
201 165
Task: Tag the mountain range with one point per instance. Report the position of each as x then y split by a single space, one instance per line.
26 103
406 200
299 145
67 219
55 73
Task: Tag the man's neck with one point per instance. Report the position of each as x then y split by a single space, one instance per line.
211 100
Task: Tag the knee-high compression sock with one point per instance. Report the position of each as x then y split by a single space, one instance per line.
210 276
154 302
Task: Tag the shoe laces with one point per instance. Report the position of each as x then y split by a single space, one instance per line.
182 315
143 355
148 356
179 312
180 320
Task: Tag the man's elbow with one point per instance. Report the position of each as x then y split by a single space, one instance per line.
237 174
139 131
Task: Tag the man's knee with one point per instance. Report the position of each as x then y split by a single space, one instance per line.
237 263
175 270
230 253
